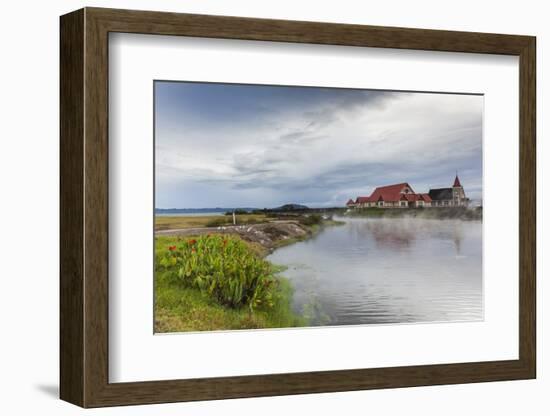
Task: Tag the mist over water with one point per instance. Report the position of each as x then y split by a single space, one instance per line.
387 270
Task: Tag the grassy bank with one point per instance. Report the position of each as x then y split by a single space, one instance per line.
461 213
218 283
260 232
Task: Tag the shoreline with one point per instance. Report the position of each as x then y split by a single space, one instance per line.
435 213
265 237
180 308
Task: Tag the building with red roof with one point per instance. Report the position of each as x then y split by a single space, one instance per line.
402 195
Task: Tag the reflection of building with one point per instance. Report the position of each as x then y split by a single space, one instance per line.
389 235
401 195
449 197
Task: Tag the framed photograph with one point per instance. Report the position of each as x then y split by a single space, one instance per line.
257 207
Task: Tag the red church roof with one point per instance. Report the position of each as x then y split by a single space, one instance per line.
410 197
457 182
416 197
363 199
390 193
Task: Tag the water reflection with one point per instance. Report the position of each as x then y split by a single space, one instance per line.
387 271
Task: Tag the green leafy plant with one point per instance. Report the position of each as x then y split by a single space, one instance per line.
224 268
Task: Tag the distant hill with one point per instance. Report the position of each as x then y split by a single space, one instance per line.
291 207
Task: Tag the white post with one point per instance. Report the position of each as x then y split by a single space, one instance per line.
234 219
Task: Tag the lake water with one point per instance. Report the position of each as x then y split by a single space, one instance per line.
379 270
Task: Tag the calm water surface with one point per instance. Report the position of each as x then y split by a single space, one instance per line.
372 271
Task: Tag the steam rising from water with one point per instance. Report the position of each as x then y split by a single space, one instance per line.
388 270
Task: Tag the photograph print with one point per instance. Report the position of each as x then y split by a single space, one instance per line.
290 206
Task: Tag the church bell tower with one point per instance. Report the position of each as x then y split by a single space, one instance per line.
459 196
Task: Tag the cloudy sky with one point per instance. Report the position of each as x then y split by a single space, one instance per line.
226 145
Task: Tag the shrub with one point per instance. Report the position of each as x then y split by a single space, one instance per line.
217 222
312 219
224 268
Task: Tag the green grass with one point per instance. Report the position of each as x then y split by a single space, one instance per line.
180 307
462 213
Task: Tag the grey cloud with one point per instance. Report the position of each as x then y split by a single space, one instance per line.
323 151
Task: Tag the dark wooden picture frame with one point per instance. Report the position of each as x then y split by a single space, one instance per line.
84 207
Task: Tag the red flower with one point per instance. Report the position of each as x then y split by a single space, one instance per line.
193 250
172 248
193 241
